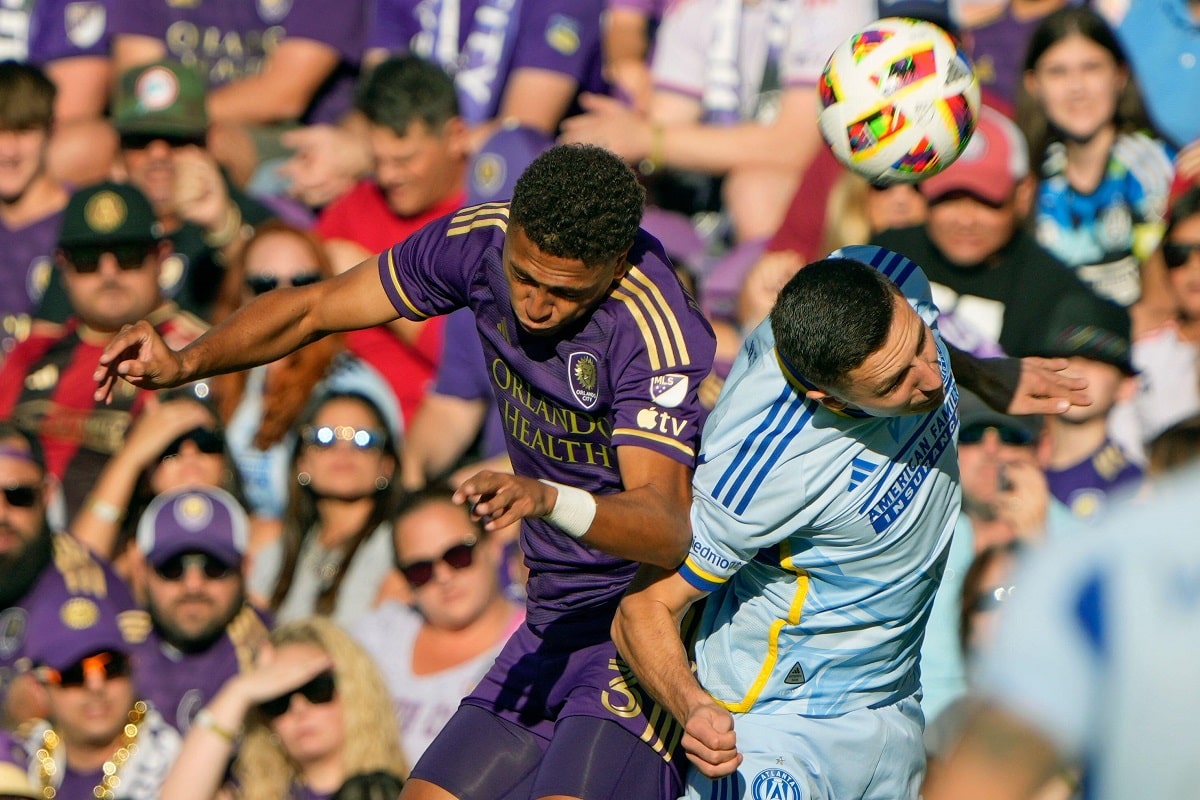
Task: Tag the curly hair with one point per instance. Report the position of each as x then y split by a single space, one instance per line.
263 770
579 202
830 316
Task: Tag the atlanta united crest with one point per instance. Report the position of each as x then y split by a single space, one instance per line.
775 784
582 378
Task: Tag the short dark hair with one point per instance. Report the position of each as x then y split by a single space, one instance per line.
408 89
26 97
830 316
579 202
1187 205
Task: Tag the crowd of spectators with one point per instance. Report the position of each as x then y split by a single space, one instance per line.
189 555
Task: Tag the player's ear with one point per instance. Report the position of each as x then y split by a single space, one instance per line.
826 399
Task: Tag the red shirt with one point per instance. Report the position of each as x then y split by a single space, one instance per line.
363 216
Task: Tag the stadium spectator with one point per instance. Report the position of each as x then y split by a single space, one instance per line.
1103 182
335 551
111 256
997 46
1177 446
159 114
204 632
984 268
1085 469
433 652
31 200
419 147
627 39
266 65
98 734
262 404
37 565
312 714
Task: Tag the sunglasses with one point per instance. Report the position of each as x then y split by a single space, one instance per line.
108 665
22 495
206 441
129 256
460 556
140 141
329 435
261 284
173 569
991 599
1176 254
973 434
318 691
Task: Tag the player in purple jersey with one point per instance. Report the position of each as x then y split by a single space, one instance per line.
595 353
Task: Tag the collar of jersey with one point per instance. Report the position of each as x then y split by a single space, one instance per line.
804 386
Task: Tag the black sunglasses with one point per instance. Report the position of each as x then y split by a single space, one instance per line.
317 691
206 441
329 435
993 598
109 664
173 569
1176 253
460 556
140 141
129 256
22 495
973 434
261 284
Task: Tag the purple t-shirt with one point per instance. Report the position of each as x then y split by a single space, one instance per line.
26 265
67 28
628 376
230 39
1087 487
560 36
998 50
462 372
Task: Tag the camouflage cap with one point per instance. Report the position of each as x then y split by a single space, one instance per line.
164 98
106 214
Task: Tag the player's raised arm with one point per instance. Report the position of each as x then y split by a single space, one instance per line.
275 324
1020 385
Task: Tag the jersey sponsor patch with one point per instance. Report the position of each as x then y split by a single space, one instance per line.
669 390
653 419
581 377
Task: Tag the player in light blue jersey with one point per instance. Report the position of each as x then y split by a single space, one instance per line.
825 499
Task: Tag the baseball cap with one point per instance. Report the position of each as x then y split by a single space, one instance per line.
108 213
197 520
164 98
1089 326
501 160
63 630
974 413
995 158
14 782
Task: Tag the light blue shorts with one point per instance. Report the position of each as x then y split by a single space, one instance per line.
874 754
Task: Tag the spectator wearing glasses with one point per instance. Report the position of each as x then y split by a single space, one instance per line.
313 714
99 737
335 553
433 651
111 256
204 632
37 565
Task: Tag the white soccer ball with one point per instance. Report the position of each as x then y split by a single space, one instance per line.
899 100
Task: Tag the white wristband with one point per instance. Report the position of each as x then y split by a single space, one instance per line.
573 511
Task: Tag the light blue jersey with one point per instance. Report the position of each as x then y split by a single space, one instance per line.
822 535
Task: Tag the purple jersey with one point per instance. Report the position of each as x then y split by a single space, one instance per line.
628 376
68 28
1086 487
230 39
487 40
180 684
26 265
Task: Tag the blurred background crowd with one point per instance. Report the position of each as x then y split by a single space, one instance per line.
291 527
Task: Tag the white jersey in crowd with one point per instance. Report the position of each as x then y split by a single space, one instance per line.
823 535
1099 646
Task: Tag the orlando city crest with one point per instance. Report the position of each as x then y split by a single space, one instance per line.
582 378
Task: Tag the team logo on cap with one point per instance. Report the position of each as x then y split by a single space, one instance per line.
79 613
775 784
105 212
581 376
156 89
562 33
488 176
194 512
668 390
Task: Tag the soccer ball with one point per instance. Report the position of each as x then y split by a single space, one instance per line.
899 101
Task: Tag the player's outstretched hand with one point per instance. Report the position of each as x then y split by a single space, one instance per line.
500 498
1046 386
137 354
710 741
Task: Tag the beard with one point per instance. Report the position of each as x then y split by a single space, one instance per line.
192 641
20 570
